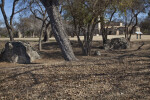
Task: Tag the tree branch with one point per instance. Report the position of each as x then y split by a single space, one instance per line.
13 11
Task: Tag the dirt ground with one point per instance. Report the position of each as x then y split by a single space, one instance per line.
115 75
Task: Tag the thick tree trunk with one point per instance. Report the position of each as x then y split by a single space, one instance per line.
58 29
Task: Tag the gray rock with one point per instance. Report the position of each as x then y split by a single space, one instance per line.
97 53
19 52
116 44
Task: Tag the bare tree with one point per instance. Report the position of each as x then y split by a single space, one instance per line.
131 13
9 22
107 8
29 26
40 13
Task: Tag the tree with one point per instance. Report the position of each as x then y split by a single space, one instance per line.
85 15
28 26
40 13
9 22
79 15
52 7
108 8
145 25
131 9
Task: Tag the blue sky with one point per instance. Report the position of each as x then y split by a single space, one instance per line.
8 6
8 10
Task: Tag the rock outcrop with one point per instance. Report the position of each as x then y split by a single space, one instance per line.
116 44
19 52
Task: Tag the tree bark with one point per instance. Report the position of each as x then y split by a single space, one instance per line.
58 29
11 36
10 32
46 33
40 37
46 36
104 32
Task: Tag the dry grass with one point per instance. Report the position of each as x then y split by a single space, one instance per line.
115 75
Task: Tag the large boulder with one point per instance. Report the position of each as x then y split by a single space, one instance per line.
116 44
19 52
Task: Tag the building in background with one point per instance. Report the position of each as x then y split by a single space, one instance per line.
114 28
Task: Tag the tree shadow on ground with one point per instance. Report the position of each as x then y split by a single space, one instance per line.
52 49
50 46
40 82
53 55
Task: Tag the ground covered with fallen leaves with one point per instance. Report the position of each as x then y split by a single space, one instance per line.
115 75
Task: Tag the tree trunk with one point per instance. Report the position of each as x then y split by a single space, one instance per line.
10 32
133 27
130 29
51 34
46 35
104 30
77 33
9 27
104 36
40 37
58 29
